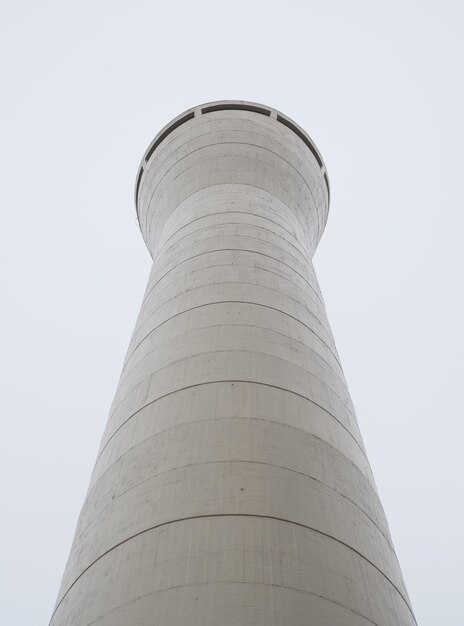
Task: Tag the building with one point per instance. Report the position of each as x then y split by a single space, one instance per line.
232 485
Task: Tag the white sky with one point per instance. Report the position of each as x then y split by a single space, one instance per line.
84 88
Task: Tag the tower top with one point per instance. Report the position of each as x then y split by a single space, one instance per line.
250 143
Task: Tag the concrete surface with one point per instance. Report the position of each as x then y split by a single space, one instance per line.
232 485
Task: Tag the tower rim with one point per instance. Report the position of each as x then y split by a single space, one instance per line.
228 105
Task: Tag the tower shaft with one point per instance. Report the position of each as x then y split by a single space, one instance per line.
232 485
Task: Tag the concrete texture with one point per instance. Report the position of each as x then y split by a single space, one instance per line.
232 485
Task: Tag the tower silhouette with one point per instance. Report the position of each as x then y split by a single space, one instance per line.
232 485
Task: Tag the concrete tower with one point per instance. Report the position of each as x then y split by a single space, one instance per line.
232 486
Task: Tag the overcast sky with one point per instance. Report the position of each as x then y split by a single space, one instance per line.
85 87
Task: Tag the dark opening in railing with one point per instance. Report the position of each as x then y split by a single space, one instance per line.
328 186
301 135
139 178
236 107
169 130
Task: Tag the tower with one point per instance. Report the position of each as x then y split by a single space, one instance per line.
232 485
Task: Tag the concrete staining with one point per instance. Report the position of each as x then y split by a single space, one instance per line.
232 485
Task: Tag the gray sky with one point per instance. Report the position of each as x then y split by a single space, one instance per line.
85 87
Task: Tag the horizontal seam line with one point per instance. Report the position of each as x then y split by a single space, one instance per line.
226 200
252 382
209 187
280 276
236 143
195 256
163 250
199 306
253 418
305 263
202 217
314 356
239 582
279 519
346 401
244 461
317 315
